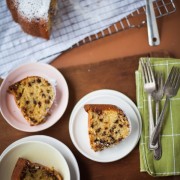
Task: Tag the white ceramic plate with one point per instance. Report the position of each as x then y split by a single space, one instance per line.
34 151
12 113
62 148
78 125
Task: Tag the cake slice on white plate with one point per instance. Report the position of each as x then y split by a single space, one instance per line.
107 125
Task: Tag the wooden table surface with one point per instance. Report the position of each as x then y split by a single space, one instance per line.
104 59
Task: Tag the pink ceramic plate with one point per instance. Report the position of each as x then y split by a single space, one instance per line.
11 112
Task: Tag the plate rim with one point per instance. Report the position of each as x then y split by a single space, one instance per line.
48 66
86 97
45 138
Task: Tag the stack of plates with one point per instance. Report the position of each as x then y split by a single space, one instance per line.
40 149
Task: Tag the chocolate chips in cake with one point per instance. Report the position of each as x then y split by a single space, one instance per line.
26 170
34 96
107 125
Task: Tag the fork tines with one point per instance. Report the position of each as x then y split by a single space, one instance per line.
148 75
174 77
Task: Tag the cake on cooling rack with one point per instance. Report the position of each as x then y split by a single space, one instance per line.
34 96
34 16
24 169
107 125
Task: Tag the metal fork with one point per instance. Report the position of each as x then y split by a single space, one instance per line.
149 87
170 90
157 95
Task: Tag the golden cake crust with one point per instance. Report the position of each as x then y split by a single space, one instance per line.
24 169
38 27
107 125
34 96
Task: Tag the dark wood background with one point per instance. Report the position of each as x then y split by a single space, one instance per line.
116 74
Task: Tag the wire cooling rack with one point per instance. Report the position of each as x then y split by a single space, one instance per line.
134 20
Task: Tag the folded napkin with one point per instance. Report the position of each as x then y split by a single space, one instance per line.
169 164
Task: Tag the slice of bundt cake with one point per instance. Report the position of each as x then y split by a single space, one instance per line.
34 96
26 170
107 125
34 16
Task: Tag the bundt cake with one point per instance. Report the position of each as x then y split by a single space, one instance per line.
26 170
34 16
107 125
34 96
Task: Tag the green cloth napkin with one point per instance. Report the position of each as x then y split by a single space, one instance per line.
169 164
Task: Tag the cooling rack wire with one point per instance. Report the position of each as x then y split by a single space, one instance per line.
137 19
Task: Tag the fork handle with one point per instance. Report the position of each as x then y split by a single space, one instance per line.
158 127
153 34
151 121
158 151
157 111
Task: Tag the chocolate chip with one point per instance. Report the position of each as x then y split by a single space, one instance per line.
98 130
104 133
27 102
101 120
96 140
116 121
35 102
24 109
39 80
47 101
39 103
